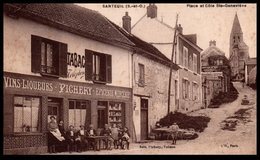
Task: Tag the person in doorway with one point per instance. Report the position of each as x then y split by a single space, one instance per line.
61 128
174 132
107 132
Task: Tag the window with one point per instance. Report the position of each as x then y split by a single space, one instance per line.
185 56
190 62
195 65
141 79
98 67
195 90
48 57
26 114
78 112
185 88
181 56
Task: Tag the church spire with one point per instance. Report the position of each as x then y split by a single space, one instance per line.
236 28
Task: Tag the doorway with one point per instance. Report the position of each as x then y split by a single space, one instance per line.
144 119
54 109
102 114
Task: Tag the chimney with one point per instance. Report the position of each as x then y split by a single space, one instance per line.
212 43
127 22
180 29
152 11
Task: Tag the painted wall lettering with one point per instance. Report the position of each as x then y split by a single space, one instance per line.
73 59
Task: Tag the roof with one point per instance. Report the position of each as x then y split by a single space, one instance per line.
146 48
212 51
236 28
251 61
72 18
191 38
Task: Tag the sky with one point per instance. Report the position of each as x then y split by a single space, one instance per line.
209 22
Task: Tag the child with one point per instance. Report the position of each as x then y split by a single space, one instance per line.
125 138
114 135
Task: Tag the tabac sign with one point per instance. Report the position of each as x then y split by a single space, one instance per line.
48 85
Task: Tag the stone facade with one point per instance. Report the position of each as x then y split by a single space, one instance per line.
155 90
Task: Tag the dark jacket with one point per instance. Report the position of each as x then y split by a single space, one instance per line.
71 137
106 132
88 132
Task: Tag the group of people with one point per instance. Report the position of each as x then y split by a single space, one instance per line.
78 140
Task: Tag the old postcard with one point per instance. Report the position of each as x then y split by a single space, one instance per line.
139 78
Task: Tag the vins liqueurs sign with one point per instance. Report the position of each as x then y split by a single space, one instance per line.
37 84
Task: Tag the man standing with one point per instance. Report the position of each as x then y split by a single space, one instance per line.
174 132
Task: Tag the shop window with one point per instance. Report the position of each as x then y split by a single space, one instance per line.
79 112
48 57
26 114
116 113
195 65
98 67
185 88
141 79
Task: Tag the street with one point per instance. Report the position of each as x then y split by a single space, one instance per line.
213 140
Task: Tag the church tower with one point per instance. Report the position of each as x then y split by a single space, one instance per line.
238 51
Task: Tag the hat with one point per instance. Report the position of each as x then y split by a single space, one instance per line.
52 117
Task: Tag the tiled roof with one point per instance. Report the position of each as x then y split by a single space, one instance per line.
146 47
76 18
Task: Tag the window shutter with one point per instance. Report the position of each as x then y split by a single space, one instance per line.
108 69
88 65
36 54
63 67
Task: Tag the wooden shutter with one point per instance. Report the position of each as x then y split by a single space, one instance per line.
63 67
36 54
108 69
88 65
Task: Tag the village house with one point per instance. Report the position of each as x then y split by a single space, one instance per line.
186 55
66 61
215 73
238 52
150 74
250 64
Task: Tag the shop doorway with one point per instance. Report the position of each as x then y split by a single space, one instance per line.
54 109
144 119
102 114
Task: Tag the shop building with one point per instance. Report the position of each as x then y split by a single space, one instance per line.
66 61
186 55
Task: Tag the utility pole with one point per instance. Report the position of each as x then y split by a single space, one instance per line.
170 77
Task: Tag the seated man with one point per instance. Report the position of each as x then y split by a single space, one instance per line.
107 132
90 133
81 139
71 139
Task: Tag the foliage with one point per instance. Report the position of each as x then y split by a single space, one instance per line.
198 123
225 97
